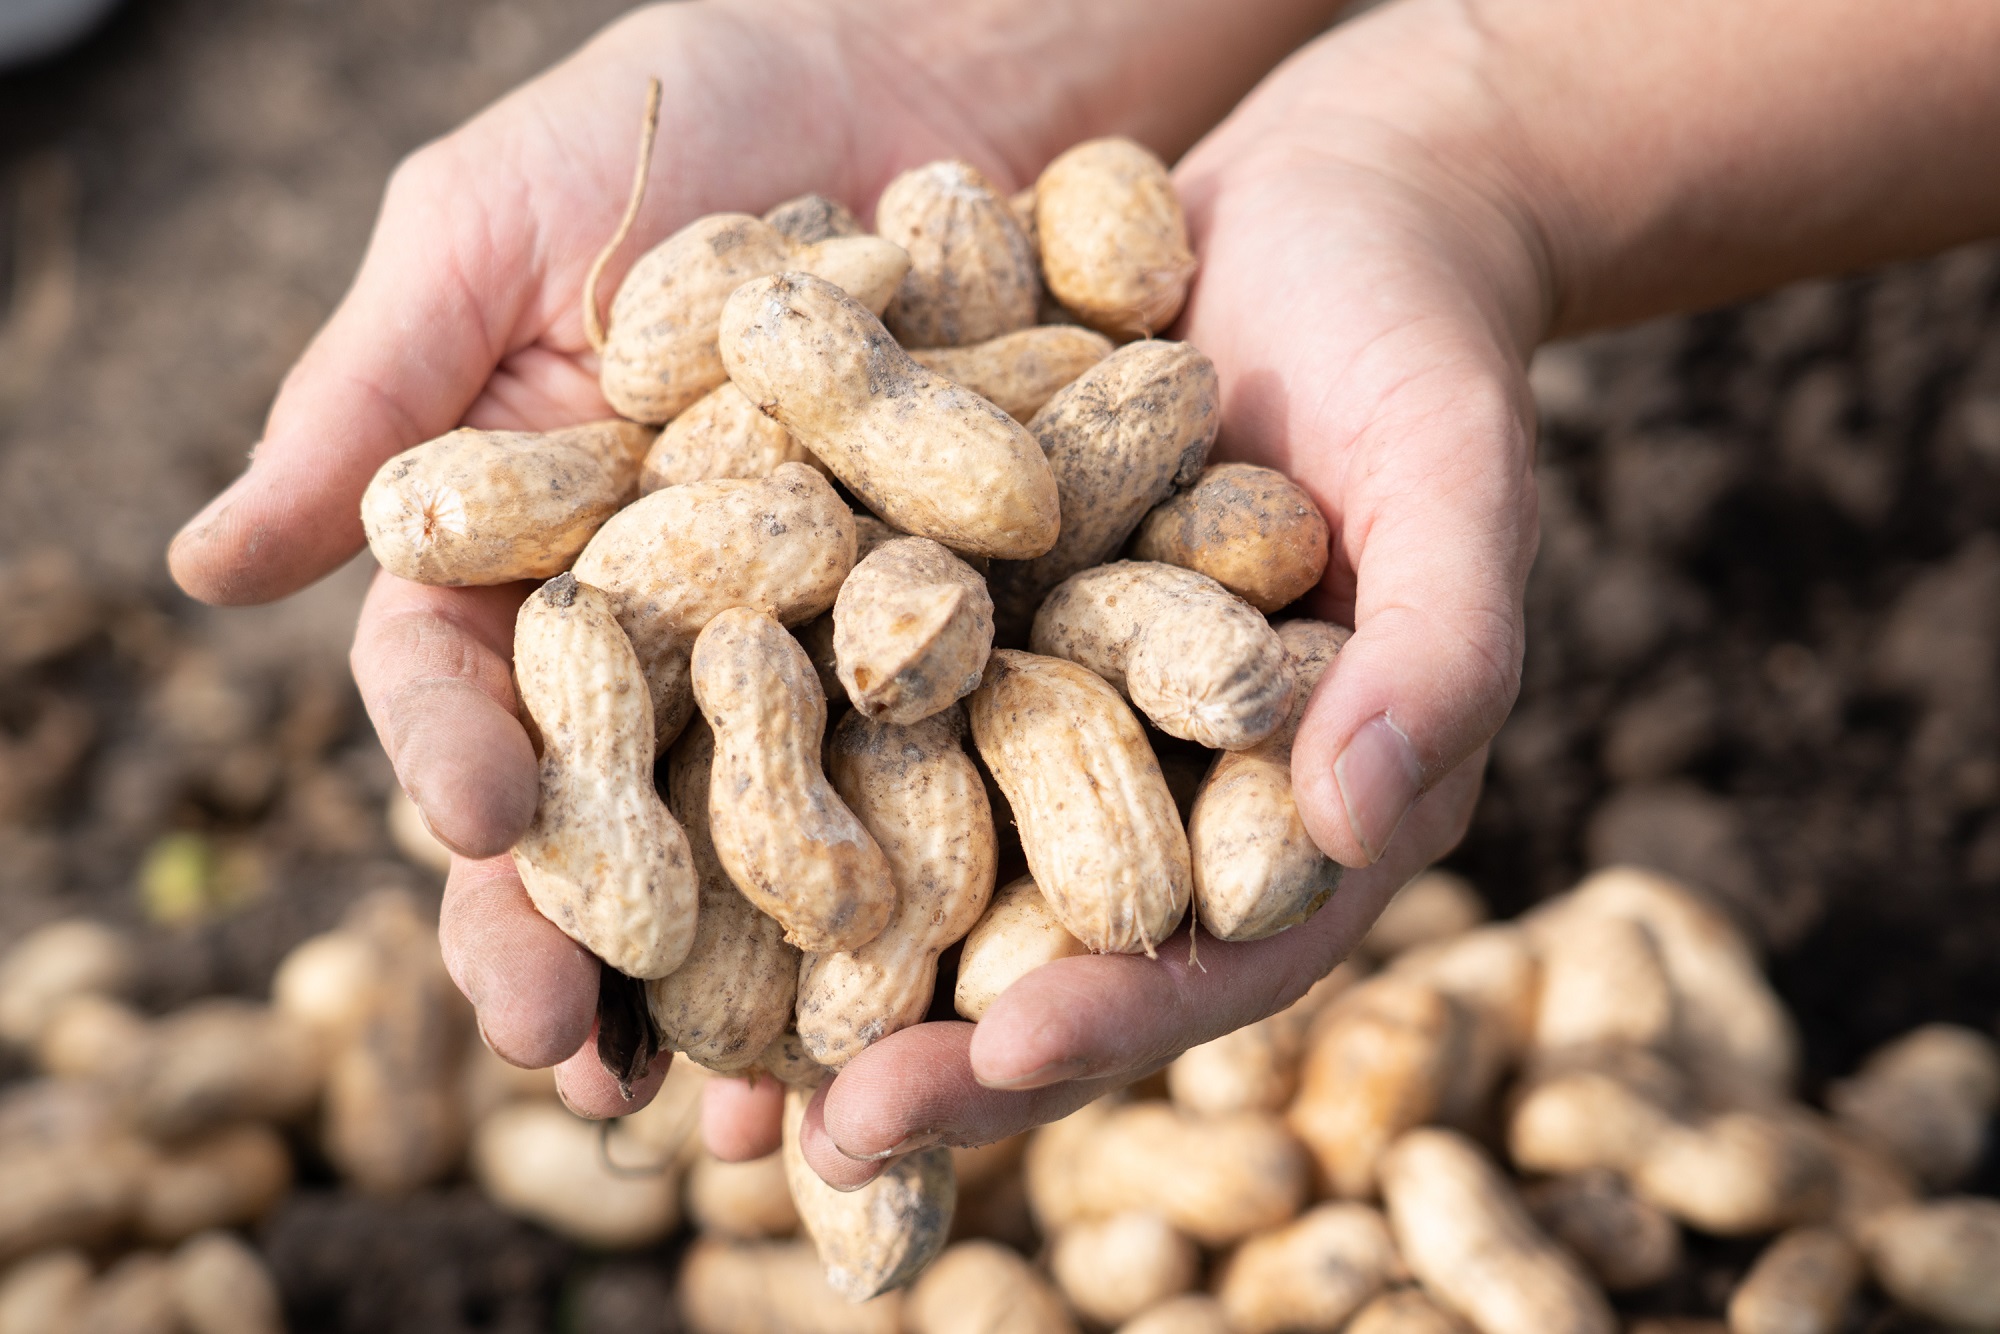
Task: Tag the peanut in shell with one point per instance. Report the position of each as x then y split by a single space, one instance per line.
1020 371
722 435
602 859
1113 239
807 218
972 271
912 629
1253 530
1017 934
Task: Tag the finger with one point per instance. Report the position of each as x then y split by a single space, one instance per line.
740 1117
1077 1028
440 292
535 989
432 666
589 1090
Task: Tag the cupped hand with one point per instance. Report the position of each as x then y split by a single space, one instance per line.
1370 301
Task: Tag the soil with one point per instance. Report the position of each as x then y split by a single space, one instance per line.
1765 623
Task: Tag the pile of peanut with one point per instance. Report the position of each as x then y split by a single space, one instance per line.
879 486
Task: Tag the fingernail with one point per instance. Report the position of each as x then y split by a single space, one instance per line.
923 1139
1055 1072
207 513
849 1190
1379 780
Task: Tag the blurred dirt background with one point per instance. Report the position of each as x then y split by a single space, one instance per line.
1765 622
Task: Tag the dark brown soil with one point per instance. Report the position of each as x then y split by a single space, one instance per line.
1765 623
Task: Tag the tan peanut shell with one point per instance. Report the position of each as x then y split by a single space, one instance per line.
602 859
1625 1242
868 268
1102 837
982 1287
673 559
91 1037
1018 933
1256 870
44 1293
1738 1174
722 435
1195 1313
393 1118
1925 1098
136 1293
1406 1311
1800 1285
771 1288
80 1192
491 507
930 457
784 836
1113 240
919 795
880 1236
1253 530
1200 662
51 964
1311 1274
733 995
805 219
1118 439
1491 975
1941 1258
1378 1064
230 1176
659 354
912 629
1465 1234
1019 372
1217 1179
747 1201
222 1286
1603 984
221 1060
1602 1113
1436 906
539 1161
1731 1030
972 272
1255 1068
1112 1269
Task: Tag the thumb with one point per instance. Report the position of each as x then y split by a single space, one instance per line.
402 358
1440 542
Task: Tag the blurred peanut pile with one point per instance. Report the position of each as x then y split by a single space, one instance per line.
1469 1126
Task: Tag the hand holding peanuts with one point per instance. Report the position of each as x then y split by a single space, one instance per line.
1414 701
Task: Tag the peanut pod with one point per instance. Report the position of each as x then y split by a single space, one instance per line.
1253 530
1018 934
1311 1274
1113 240
723 435
972 272
1111 1269
602 859
1019 372
912 629
982 1287
805 219
771 1288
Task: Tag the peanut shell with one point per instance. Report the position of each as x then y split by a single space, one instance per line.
722 435
912 629
805 219
1018 934
972 272
1253 530
1112 236
1019 372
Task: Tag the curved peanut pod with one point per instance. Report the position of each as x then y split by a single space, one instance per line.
1586 1118
1313 1273
722 435
602 858
1926 1098
670 561
780 830
880 1236
1111 1269
1256 1067
771 1287
1256 870
1018 372
223 1286
1097 822
912 629
1113 239
1941 1259
1253 530
733 995
1800 1285
220 1060
1218 1179
1602 986
929 456
229 1176
1464 1232
1405 1311
1199 661
972 272
1626 1242
659 352
1491 975
1119 439
922 799
537 1160
489 507
1018 934
1738 1174
867 268
1378 1065
805 219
